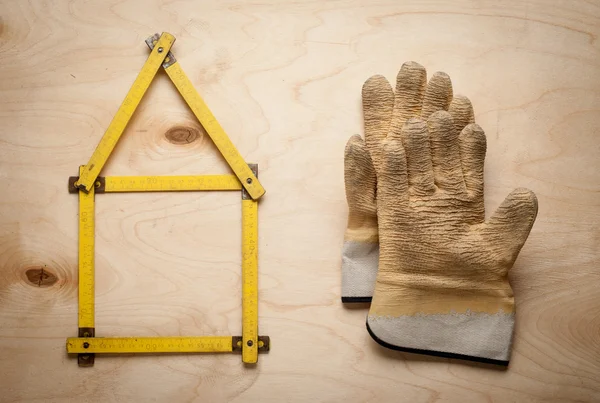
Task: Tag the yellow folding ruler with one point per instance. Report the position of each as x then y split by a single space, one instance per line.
161 55
88 183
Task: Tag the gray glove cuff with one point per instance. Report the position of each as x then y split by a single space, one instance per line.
474 336
360 261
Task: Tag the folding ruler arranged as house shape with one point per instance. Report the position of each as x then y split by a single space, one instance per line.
88 184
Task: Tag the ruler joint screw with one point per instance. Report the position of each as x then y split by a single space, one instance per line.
249 181
86 344
160 50
250 343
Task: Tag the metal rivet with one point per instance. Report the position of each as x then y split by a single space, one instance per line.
86 344
249 343
249 181
160 50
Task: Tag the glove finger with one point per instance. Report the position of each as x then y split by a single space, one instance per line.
418 157
438 94
392 182
461 111
359 177
472 153
410 89
445 153
378 104
509 226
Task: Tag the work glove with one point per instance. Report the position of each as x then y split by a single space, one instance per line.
442 286
385 111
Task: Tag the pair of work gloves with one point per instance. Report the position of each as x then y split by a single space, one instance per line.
417 245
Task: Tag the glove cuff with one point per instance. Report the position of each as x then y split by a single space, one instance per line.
472 336
359 270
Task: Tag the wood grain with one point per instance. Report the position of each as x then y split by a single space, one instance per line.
284 80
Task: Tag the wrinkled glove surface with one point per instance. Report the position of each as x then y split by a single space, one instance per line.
385 112
442 286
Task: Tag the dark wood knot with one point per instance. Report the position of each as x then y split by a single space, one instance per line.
41 277
183 134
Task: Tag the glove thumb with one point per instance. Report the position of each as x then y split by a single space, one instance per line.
359 177
508 228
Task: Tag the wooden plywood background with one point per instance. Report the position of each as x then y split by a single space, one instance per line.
284 80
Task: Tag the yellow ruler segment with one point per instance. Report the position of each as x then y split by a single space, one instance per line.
215 131
86 258
116 345
211 125
249 279
170 183
123 115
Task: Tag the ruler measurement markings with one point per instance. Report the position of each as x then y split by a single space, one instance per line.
214 130
171 183
124 113
86 258
111 345
250 344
